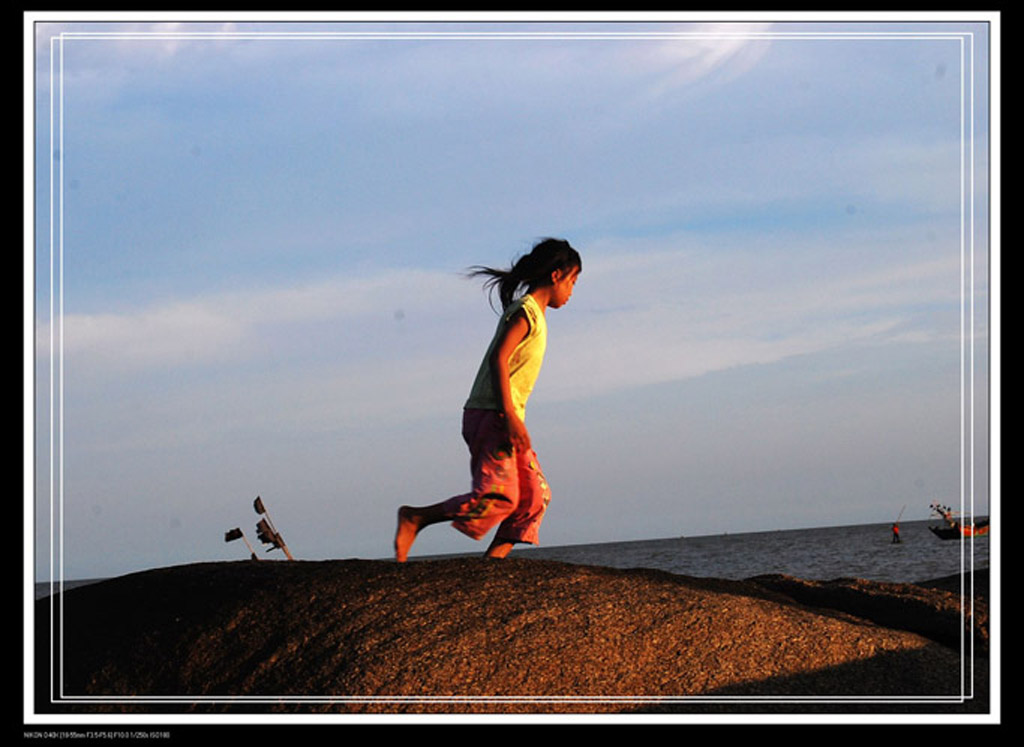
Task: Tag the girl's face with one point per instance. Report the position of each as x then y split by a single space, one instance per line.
562 286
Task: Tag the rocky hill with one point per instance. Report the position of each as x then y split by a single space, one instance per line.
471 635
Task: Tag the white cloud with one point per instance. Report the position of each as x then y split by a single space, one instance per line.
404 343
665 316
233 326
412 77
901 171
170 335
724 51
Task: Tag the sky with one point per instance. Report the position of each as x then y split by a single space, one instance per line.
249 245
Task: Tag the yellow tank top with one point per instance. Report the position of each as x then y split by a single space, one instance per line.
523 365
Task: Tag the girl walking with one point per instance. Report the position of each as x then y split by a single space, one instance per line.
509 489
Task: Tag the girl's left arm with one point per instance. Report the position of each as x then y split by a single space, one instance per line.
514 334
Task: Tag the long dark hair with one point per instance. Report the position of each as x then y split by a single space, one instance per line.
530 271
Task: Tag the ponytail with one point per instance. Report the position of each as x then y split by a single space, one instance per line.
530 271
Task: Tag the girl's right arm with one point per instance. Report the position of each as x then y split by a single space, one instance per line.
514 333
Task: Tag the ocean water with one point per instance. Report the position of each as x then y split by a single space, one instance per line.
823 554
861 551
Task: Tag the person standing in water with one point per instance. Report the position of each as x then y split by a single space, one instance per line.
509 490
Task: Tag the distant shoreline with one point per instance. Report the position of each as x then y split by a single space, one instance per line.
42 587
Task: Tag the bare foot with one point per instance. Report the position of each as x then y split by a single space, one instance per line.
408 527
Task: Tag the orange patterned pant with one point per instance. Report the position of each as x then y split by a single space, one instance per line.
509 488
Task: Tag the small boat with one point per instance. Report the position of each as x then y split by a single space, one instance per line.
954 528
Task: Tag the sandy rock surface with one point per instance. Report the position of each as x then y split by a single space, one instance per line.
484 636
